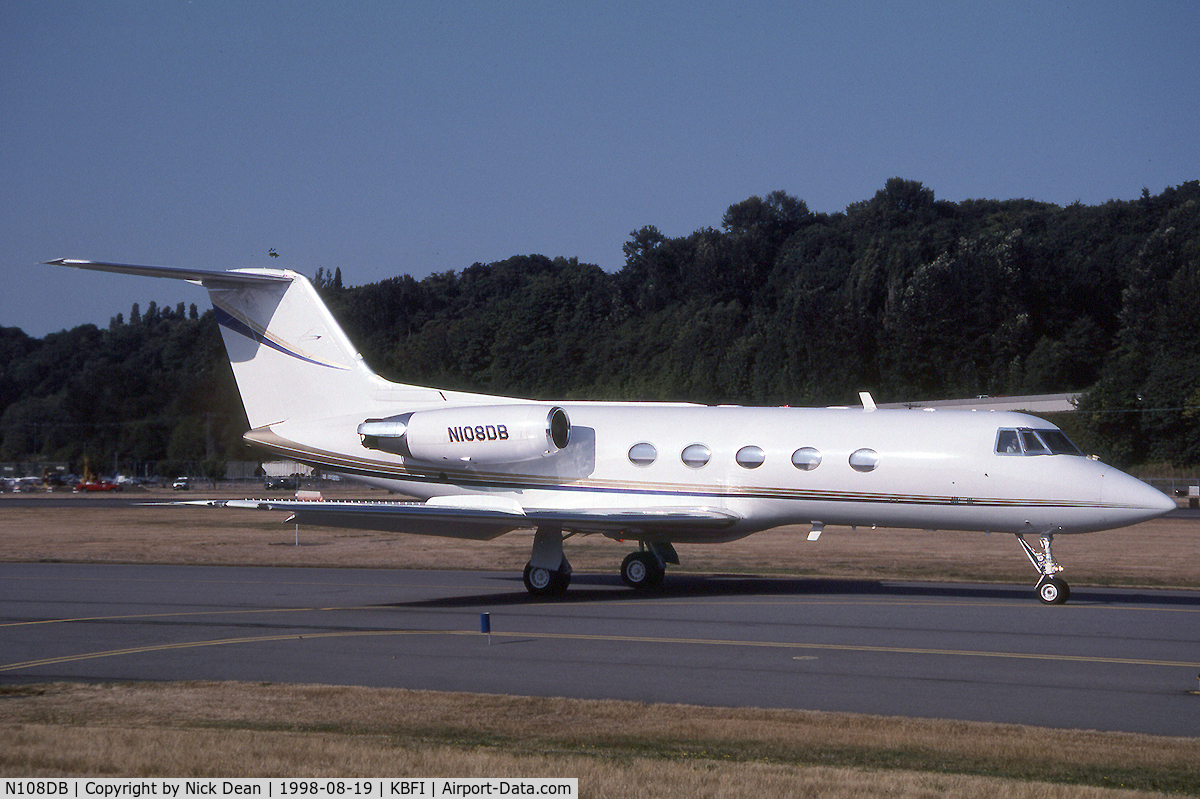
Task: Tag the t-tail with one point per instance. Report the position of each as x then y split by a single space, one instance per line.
291 359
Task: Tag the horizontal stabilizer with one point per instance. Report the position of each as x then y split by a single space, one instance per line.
203 277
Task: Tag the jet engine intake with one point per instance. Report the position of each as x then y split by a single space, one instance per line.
473 434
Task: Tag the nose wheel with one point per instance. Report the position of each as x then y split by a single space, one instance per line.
1051 589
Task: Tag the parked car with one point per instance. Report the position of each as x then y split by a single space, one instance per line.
281 483
181 484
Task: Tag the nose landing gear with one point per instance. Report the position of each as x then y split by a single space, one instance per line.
1051 589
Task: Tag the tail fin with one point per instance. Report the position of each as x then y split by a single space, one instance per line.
291 359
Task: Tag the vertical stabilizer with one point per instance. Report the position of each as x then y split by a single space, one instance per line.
290 357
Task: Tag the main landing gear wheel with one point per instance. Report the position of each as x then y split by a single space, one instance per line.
543 582
642 570
1053 591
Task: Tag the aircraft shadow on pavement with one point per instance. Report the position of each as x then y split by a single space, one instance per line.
592 588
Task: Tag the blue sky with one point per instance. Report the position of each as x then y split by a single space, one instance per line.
388 137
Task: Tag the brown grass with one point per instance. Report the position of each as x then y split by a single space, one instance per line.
615 748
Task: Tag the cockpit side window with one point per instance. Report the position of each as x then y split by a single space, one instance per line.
1007 443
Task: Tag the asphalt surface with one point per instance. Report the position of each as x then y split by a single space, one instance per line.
1112 659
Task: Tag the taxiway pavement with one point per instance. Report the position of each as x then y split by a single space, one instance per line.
1111 659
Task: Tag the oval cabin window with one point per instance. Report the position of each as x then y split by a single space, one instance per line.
643 454
806 459
864 460
750 457
695 455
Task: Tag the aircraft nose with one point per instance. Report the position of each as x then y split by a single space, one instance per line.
1132 500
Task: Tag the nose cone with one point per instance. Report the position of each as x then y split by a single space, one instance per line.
1130 501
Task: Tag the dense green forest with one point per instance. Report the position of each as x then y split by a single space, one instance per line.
902 294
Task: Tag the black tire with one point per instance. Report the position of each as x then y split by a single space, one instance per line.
1053 591
562 578
543 582
642 570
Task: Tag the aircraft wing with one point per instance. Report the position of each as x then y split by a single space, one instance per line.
484 518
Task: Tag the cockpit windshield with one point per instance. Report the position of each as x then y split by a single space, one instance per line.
1025 441
1031 444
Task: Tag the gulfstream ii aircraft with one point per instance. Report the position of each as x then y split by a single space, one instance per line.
656 473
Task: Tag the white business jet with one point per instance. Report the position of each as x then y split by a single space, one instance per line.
655 473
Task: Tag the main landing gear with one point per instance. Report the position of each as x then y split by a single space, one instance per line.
544 582
647 567
1051 589
642 570
548 573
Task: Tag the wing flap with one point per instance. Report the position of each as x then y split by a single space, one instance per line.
635 522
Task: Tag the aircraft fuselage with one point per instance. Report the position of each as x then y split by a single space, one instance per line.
769 467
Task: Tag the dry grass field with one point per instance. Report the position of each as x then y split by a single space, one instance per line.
617 749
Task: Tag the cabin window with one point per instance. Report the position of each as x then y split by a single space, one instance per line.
864 460
750 457
806 459
695 455
642 454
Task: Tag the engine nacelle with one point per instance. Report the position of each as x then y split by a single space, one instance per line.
471 433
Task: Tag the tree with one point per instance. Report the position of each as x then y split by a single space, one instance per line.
904 295
776 218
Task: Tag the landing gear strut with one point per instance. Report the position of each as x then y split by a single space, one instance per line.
1051 589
